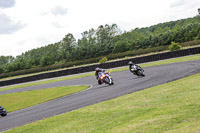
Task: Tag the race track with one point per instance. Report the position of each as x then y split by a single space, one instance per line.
125 83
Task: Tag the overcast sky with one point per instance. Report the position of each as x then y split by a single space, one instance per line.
28 24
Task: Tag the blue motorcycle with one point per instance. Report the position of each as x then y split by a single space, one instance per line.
3 111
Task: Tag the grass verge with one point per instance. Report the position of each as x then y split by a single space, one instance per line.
171 107
20 100
173 60
44 82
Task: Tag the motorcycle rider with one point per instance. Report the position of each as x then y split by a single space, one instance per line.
132 64
136 69
97 70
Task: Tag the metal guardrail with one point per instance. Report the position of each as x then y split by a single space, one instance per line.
106 65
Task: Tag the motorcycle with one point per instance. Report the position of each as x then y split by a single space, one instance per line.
136 70
104 77
3 111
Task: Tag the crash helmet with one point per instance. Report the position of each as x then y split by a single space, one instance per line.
97 69
130 63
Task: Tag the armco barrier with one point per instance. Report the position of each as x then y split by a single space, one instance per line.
107 65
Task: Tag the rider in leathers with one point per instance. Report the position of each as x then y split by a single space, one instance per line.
131 64
97 70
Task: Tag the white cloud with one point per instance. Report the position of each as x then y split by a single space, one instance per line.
58 10
7 3
177 3
7 26
48 21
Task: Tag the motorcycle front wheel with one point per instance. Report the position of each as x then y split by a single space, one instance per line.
4 113
140 73
109 81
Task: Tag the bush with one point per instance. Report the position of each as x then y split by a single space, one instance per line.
190 43
174 46
103 60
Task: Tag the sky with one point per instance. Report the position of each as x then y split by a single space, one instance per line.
30 24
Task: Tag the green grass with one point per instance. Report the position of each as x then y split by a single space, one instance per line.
20 100
172 108
44 82
173 60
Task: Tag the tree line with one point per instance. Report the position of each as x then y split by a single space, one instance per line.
105 40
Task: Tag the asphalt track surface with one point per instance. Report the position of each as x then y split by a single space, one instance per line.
125 83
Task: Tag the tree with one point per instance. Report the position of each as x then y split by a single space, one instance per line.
6 60
199 11
121 46
45 60
105 35
1 70
66 46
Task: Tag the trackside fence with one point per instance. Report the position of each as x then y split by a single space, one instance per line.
106 65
